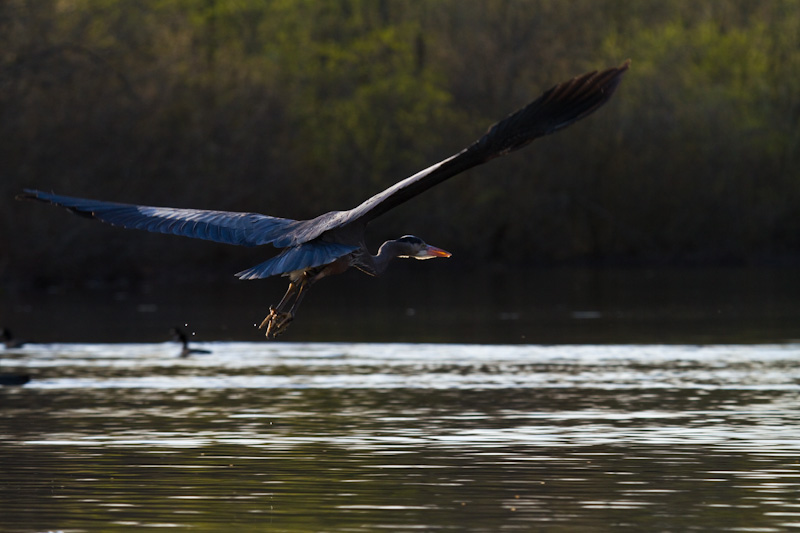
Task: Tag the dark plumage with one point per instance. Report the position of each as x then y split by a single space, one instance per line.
9 342
8 339
180 336
334 241
12 380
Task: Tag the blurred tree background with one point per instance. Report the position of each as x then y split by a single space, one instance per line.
296 107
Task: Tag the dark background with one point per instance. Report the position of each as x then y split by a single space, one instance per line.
296 108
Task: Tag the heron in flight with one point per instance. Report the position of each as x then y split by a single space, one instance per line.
333 242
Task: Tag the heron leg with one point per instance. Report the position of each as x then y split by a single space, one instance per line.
279 318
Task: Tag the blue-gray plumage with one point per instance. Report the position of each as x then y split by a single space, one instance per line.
334 241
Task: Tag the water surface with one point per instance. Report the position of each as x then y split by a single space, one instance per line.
401 437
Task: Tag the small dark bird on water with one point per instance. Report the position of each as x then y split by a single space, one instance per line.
12 380
180 336
333 242
10 343
8 339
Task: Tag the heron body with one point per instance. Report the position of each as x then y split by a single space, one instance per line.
407 246
334 241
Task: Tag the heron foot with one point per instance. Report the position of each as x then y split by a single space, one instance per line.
276 323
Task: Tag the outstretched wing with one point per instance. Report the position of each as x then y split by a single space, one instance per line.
557 108
244 229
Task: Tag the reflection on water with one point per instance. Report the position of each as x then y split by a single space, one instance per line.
364 437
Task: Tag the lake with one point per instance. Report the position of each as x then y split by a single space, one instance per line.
568 400
401 437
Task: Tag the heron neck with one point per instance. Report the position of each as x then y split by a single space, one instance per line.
388 251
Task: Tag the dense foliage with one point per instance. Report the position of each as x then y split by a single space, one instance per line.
297 107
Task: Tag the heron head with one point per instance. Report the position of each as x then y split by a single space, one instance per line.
414 247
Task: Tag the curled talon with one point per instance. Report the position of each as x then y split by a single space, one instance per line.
275 323
268 318
278 324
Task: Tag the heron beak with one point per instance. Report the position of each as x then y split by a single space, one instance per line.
431 252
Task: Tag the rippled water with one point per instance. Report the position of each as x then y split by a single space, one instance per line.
398 437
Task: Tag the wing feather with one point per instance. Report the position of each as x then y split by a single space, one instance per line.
300 257
556 108
243 229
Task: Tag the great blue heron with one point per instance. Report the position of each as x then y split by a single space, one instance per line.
333 242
